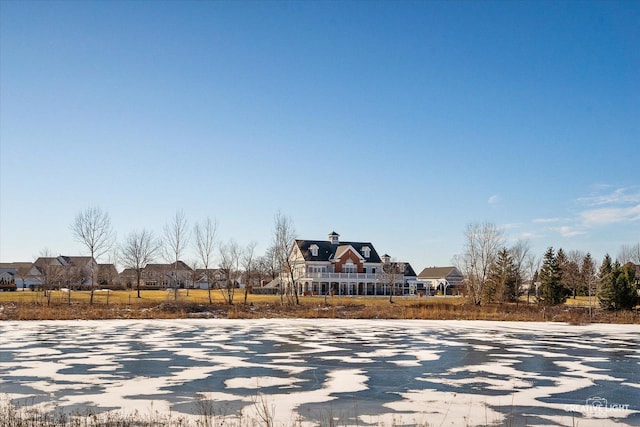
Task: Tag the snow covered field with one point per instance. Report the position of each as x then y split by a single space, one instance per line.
356 371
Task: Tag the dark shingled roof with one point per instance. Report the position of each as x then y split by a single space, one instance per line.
408 270
181 266
326 250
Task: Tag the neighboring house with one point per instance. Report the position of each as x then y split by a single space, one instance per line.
62 271
342 268
172 275
216 276
442 280
18 272
128 278
44 272
637 271
108 275
7 278
410 284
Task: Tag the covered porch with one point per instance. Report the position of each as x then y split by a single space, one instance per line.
352 288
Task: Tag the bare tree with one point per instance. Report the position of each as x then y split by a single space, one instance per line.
629 253
588 273
49 269
193 274
483 241
92 228
571 274
519 253
269 264
391 274
283 238
230 256
139 249
248 262
22 271
176 239
205 244
532 265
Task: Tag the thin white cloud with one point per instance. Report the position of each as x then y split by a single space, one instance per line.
547 220
494 199
607 205
568 231
604 216
511 226
529 235
616 197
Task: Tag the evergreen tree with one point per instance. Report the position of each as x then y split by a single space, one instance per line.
502 279
563 261
627 287
618 290
551 290
606 294
588 274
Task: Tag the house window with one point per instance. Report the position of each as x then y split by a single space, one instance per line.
366 251
349 267
314 250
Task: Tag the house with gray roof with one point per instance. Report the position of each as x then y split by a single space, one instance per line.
7 279
173 275
343 268
14 274
212 277
441 280
62 271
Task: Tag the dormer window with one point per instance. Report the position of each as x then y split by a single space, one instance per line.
314 249
366 251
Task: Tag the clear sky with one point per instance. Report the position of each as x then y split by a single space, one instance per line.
396 123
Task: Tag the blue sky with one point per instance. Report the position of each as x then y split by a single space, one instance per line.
392 122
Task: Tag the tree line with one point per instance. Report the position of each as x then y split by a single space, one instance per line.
93 229
495 273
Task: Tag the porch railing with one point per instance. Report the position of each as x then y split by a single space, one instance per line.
339 276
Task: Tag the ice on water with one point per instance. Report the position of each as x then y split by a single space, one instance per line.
382 371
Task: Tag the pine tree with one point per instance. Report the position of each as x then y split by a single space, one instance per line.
618 290
588 274
626 287
502 279
563 261
551 290
606 290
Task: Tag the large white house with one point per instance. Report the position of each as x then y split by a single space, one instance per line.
346 268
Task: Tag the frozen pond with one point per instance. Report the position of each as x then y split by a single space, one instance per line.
359 372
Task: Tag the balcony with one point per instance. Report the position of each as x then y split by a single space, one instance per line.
371 277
